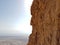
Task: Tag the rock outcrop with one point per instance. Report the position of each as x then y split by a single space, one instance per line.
45 22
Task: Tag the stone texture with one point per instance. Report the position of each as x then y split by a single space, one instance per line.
45 22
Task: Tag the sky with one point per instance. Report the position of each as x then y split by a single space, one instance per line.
15 17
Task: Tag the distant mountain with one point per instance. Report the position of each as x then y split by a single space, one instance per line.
22 38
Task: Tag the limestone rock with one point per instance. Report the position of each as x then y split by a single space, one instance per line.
45 22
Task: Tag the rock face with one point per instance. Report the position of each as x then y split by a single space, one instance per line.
45 22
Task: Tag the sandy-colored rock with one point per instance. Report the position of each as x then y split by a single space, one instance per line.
45 22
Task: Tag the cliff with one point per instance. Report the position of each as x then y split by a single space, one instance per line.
45 22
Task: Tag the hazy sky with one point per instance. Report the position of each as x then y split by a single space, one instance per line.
14 17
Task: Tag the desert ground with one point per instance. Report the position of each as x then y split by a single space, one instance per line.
12 42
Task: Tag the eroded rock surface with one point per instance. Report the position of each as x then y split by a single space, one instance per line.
45 22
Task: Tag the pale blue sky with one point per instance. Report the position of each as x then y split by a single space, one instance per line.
14 18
